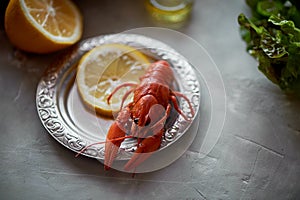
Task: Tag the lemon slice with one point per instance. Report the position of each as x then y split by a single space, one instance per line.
43 26
105 67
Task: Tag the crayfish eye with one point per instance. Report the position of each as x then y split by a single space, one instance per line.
136 120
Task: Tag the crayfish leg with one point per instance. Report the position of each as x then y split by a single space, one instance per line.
118 88
176 106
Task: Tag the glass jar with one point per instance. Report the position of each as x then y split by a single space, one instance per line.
169 11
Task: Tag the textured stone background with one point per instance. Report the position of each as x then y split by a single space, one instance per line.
256 157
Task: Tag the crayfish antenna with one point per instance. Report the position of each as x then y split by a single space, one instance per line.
88 146
115 148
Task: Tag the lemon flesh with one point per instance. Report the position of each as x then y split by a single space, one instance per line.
105 67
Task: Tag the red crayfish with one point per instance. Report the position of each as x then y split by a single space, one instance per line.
145 116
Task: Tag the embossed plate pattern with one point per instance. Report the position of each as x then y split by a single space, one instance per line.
65 118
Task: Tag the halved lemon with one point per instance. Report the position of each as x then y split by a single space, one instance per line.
105 67
43 26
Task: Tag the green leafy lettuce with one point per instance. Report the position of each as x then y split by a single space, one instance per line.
273 38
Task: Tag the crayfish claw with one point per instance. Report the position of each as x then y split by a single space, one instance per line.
111 151
144 151
113 142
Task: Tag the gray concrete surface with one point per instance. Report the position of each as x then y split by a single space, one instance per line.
256 157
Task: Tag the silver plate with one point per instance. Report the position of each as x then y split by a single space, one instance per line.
67 120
